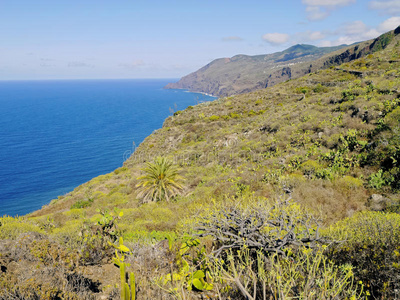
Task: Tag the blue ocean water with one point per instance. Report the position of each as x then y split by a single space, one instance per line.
56 135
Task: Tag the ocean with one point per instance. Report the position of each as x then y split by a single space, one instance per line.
56 135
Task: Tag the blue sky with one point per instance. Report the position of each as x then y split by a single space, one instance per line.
169 39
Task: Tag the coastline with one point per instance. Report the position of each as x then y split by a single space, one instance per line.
191 91
206 94
86 164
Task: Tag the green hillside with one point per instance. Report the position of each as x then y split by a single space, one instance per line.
301 166
243 73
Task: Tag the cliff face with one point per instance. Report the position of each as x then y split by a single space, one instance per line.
242 73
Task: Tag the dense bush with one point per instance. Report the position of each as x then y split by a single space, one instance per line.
370 241
265 251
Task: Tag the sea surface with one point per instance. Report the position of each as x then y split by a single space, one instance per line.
56 135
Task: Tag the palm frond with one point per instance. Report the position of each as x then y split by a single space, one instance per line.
161 181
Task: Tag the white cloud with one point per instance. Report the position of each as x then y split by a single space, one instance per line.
389 24
391 7
321 9
354 28
314 13
307 36
276 38
325 44
358 31
315 35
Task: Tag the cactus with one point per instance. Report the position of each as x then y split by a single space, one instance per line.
126 293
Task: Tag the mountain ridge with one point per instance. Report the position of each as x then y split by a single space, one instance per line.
243 73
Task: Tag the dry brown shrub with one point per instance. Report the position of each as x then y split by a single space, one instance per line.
325 198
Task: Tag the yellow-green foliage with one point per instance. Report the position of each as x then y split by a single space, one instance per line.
370 241
68 234
393 118
351 182
128 291
311 168
11 228
305 274
214 118
161 181
75 213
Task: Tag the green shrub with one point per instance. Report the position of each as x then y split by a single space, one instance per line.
370 241
11 228
351 182
177 113
214 118
376 180
305 274
302 90
82 204
310 168
120 170
160 182
319 88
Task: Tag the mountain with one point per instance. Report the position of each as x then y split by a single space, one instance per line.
328 140
243 73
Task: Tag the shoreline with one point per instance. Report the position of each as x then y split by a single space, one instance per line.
45 203
190 91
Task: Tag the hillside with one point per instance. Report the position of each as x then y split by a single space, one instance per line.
243 73
329 140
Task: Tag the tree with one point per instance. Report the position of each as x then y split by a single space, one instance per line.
160 182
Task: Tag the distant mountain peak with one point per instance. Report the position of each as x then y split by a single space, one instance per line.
300 47
244 73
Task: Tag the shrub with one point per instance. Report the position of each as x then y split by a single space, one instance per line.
392 119
264 227
160 182
351 182
376 180
11 228
271 252
319 88
214 118
177 113
302 90
305 274
310 168
82 204
371 243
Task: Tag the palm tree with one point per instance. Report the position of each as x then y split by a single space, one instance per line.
161 181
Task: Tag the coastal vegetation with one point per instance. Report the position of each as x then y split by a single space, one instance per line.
290 192
161 182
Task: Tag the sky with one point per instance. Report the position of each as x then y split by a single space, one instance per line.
103 39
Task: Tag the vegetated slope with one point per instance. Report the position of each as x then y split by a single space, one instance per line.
330 138
242 73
